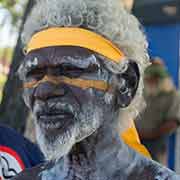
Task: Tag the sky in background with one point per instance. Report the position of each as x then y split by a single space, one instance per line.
7 38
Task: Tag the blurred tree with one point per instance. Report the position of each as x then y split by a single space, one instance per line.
13 112
12 11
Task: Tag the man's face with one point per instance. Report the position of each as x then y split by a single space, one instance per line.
66 111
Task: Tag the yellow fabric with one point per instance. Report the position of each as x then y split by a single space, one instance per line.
84 84
131 138
67 36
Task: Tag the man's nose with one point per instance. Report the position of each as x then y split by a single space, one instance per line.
48 90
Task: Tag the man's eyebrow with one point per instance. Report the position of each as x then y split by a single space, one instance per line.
32 62
81 62
36 61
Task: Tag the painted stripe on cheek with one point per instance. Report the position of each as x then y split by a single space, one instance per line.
84 84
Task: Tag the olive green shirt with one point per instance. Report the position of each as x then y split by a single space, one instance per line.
160 108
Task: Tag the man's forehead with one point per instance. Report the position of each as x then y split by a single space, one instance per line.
55 55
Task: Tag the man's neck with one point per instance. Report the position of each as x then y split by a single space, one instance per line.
103 156
103 151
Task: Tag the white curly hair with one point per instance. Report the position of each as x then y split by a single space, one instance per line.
105 17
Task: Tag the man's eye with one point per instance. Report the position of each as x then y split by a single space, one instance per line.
36 74
75 72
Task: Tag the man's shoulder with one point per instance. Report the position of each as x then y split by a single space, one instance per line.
149 169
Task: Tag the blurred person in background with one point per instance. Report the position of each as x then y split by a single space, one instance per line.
162 114
16 153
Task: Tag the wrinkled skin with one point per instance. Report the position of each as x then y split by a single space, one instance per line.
69 108
76 127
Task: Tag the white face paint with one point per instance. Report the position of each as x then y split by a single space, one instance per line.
65 119
86 123
33 62
90 120
58 147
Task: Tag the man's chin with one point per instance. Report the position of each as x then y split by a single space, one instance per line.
55 145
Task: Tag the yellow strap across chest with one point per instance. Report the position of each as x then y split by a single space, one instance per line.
131 138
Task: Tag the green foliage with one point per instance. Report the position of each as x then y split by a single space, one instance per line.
8 55
8 59
15 9
2 82
2 79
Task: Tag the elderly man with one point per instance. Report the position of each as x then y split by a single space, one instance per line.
82 80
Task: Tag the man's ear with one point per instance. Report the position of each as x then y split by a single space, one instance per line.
128 84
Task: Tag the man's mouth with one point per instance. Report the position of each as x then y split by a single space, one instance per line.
55 120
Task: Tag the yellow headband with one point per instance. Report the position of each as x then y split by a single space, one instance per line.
67 36
84 84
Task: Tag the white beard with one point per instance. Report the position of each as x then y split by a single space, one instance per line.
61 145
90 122
57 148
